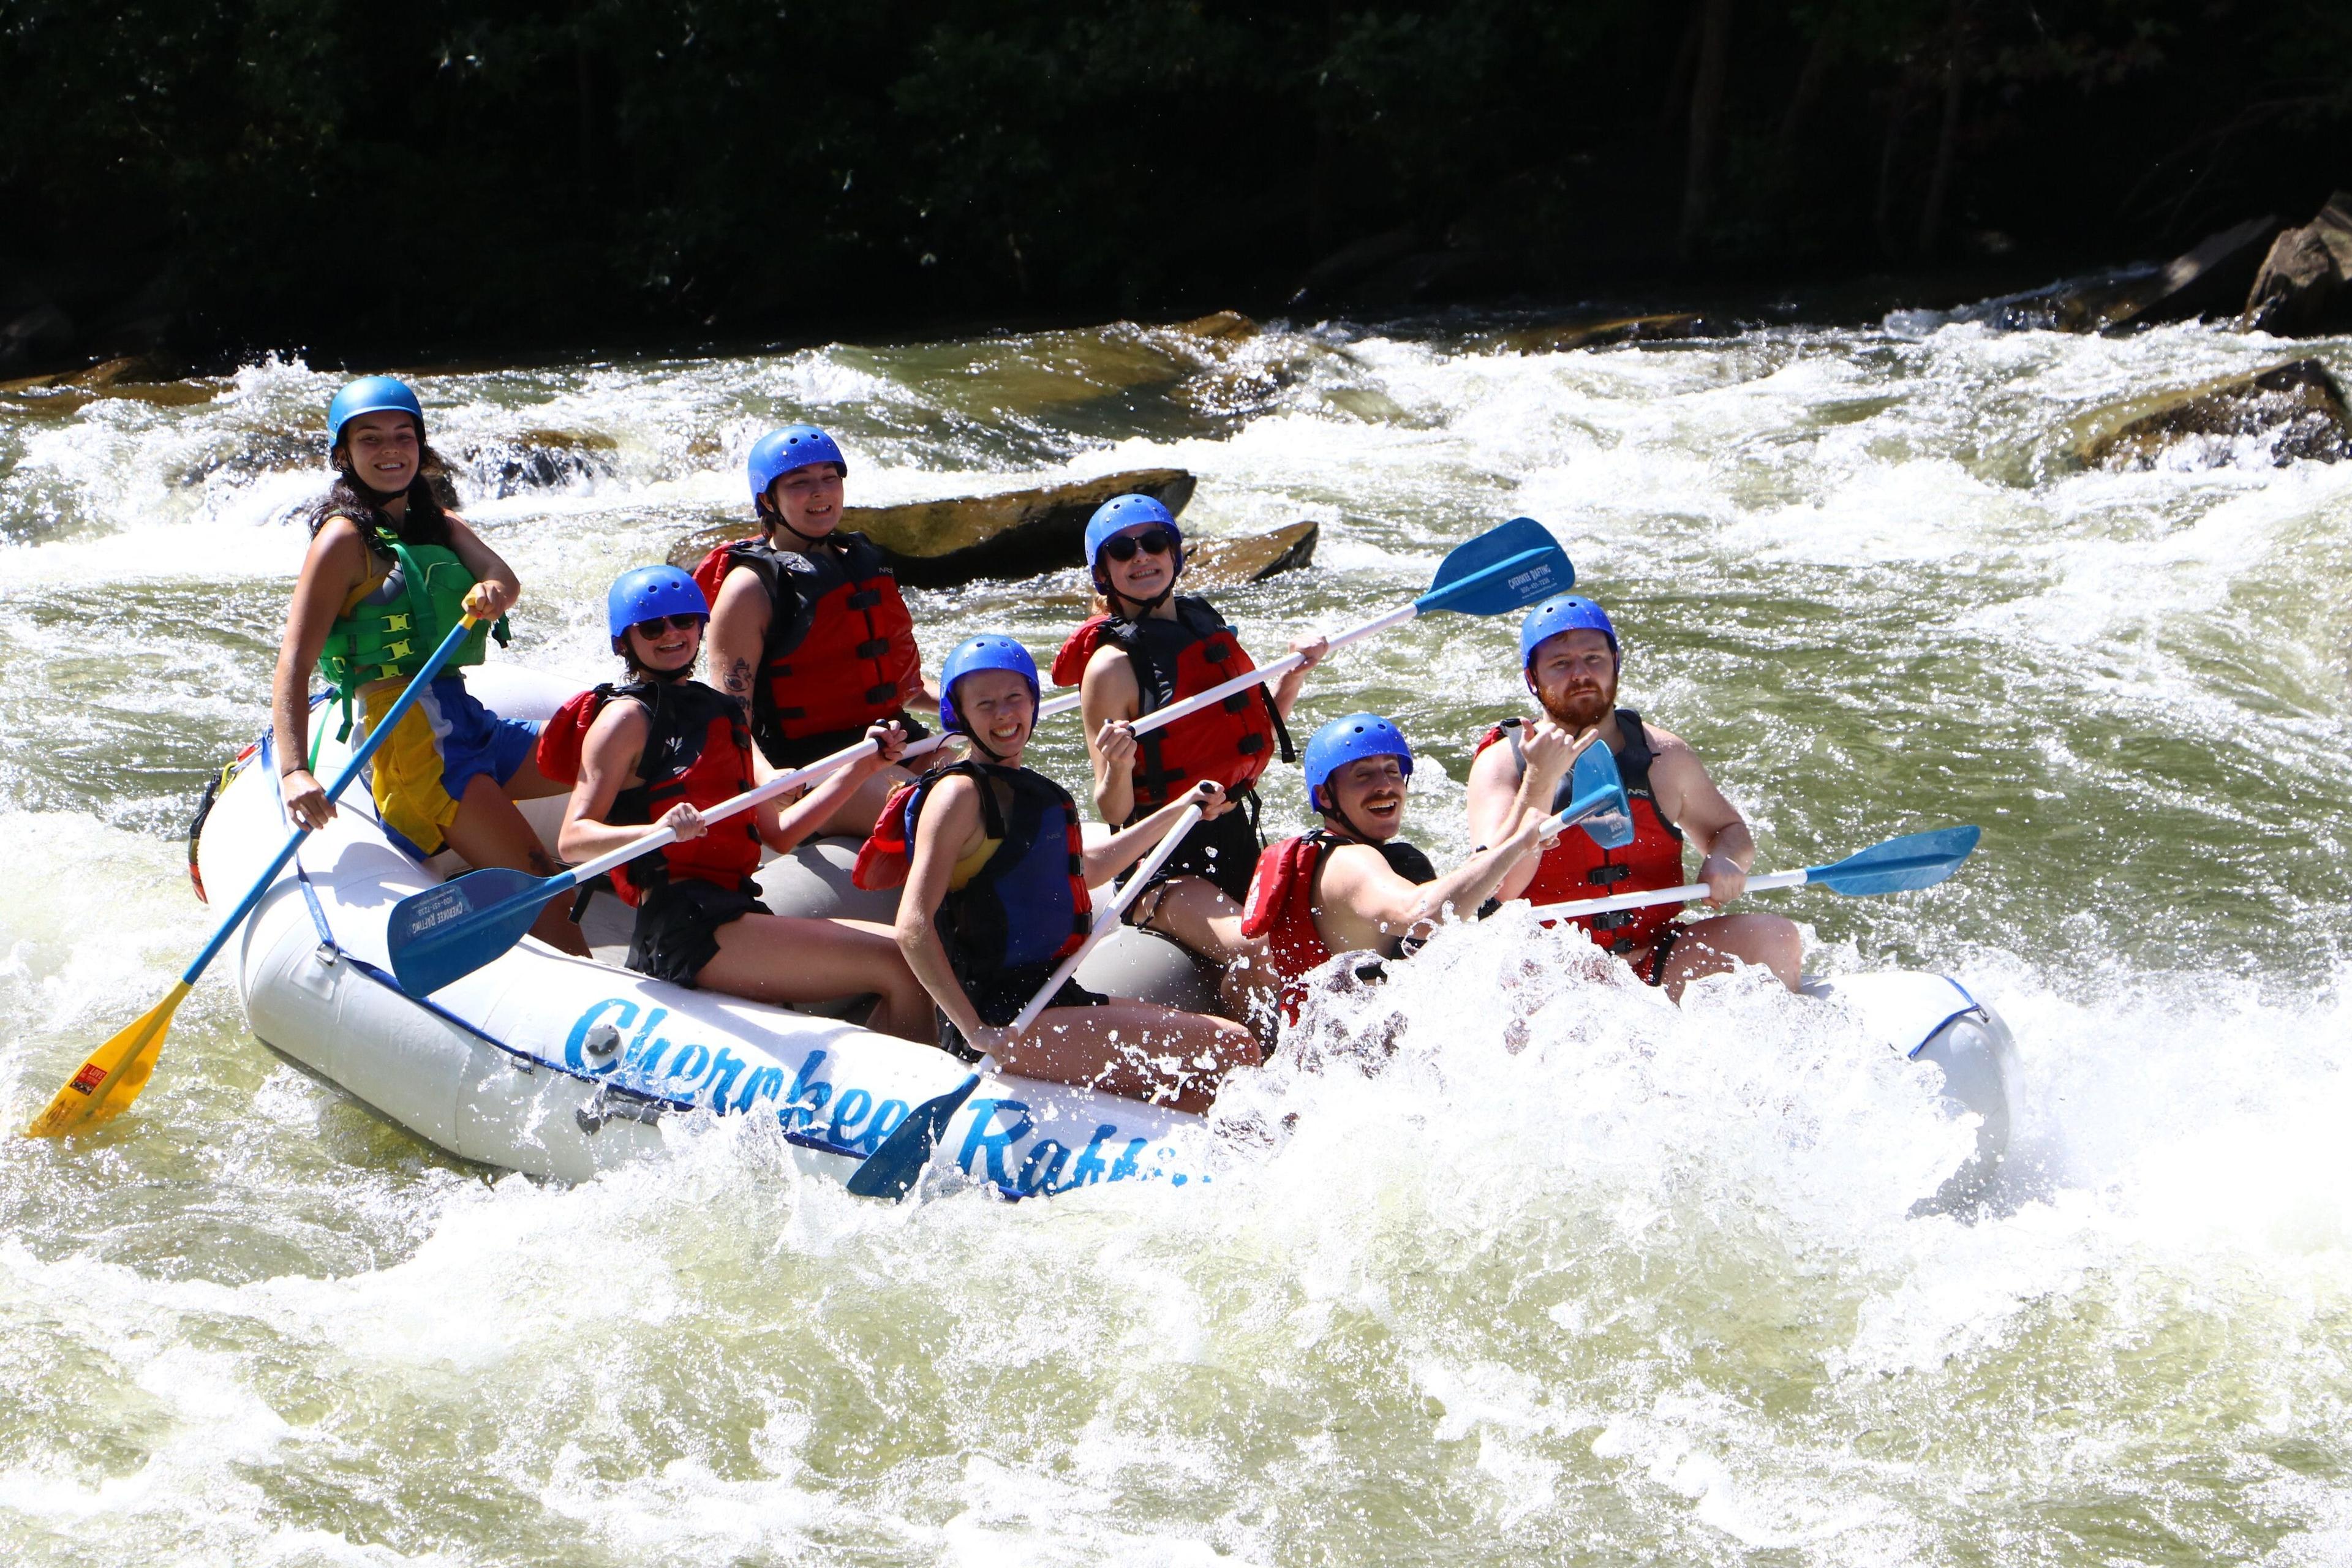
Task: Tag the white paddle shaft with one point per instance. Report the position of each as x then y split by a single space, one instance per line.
1689 893
776 786
1268 672
1107 920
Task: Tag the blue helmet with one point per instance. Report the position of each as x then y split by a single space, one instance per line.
647 592
989 650
1347 740
779 452
1117 515
372 394
1567 613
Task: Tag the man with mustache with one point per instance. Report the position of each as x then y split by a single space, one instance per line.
1569 657
1354 885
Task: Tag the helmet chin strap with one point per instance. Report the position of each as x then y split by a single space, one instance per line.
1143 606
984 748
776 516
1333 811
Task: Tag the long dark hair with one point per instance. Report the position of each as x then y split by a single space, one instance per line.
430 498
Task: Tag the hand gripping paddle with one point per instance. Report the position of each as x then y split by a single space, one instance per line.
115 1073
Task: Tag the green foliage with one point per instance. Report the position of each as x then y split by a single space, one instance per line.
491 172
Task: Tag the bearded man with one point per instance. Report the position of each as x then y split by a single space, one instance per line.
1570 659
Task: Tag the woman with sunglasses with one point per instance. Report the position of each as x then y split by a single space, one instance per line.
1148 649
389 574
662 749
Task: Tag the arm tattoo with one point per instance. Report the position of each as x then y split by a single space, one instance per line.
739 678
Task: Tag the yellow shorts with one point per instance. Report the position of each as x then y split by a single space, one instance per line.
420 773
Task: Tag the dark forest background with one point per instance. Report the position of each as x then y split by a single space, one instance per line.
209 177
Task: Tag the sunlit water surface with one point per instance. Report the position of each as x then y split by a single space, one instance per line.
1649 1289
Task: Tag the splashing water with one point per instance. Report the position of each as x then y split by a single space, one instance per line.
1508 1261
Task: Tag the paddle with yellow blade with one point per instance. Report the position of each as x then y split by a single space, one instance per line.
115 1073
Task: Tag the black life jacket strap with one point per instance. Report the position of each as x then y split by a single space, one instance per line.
1633 766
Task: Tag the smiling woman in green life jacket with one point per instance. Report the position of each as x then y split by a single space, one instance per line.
389 572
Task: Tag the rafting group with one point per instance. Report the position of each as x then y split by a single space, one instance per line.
814 668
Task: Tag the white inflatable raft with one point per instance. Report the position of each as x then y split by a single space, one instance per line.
561 1066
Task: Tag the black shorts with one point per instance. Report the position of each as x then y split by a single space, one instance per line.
998 996
789 754
1223 851
678 926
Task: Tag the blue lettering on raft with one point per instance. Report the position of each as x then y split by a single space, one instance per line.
762 1081
984 1141
1090 1167
805 1099
987 1146
806 1096
575 1044
639 1051
847 1111
1045 1163
1125 1167
723 1073
887 1118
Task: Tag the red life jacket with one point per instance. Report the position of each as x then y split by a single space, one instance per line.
1281 904
1028 902
1576 867
841 645
698 751
1231 741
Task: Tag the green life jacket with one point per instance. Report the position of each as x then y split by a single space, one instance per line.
390 634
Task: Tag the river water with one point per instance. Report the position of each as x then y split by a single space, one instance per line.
1649 1289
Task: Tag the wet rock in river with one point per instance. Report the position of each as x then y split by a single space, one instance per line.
941 543
1218 326
1229 562
534 461
1563 337
2305 282
2205 281
2296 408
2208 280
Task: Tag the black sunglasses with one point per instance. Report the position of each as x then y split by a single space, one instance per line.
1123 546
653 629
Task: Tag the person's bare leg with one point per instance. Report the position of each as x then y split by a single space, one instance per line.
1196 912
1136 1049
526 783
782 958
1713 946
488 831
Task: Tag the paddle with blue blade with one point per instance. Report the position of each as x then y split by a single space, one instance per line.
894 1168
1901 865
1505 568
114 1074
